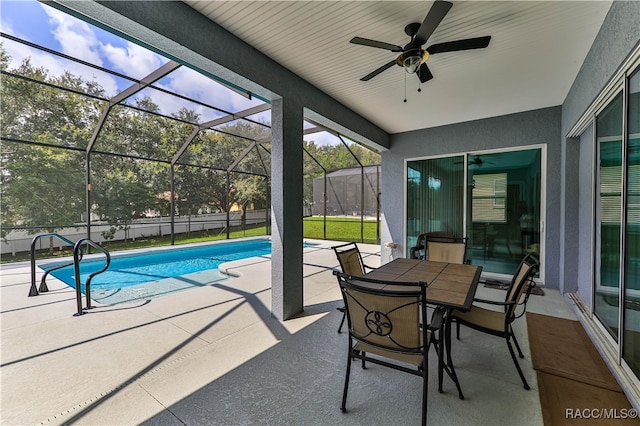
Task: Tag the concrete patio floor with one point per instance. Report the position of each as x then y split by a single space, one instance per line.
215 355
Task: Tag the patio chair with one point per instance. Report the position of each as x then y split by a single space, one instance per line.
453 251
385 320
419 250
352 264
498 323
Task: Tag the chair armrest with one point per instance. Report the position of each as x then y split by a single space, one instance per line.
437 319
493 302
412 252
369 267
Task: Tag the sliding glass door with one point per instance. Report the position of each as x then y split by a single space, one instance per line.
609 215
617 222
504 208
631 325
492 198
435 195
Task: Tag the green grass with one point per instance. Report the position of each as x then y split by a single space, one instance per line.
338 229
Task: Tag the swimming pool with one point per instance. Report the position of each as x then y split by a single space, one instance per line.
149 274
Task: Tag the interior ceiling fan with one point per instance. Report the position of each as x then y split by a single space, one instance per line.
412 56
475 160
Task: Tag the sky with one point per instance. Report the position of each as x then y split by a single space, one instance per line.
48 27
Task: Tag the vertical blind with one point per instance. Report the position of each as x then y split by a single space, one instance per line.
435 196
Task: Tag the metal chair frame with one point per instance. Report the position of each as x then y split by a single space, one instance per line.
387 322
341 251
521 285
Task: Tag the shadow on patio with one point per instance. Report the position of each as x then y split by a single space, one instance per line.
214 355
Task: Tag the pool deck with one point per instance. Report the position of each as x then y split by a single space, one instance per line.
213 354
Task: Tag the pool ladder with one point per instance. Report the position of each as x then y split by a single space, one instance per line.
77 258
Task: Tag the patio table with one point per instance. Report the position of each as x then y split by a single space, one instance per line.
450 285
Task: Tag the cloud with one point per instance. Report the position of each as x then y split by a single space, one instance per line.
323 138
6 26
80 40
56 66
132 60
76 40
191 84
198 86
75 37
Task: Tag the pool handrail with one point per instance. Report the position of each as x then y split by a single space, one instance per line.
33 291
77 257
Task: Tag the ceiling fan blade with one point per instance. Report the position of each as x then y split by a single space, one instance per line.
424 73
437 13
453 46
378 71
374 43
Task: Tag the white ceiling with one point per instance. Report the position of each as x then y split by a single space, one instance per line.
536 51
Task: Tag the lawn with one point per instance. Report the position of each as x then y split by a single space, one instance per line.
339 229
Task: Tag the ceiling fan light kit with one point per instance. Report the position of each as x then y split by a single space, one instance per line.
412 60
412 56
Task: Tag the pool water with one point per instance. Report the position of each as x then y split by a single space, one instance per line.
135 276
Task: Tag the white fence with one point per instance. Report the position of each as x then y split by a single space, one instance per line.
20 241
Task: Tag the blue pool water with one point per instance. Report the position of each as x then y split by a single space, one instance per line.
135 276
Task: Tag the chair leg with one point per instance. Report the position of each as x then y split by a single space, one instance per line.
346 384
344 316
457 330
452 371
440 348
515 361
425 388
515 341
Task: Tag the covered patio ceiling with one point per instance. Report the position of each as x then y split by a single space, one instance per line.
534 55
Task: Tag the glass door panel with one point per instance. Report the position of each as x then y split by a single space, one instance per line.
631 338
609 215
503 219
435 195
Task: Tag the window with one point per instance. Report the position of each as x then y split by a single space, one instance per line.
489 198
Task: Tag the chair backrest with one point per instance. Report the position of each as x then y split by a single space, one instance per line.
521 284
421 242
453 251
350 259
385 316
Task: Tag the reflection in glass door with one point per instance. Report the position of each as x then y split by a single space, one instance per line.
631 337
498 209
435 195
609 215
503 219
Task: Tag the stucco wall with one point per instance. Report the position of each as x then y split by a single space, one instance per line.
585 221
515 130
568 199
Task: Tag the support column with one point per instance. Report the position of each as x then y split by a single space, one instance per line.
286 208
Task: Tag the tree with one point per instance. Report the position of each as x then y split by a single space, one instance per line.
120 199
42 185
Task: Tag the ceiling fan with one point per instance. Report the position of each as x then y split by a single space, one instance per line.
412 56
475 160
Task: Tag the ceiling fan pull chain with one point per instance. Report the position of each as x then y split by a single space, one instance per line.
405 87
419 86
